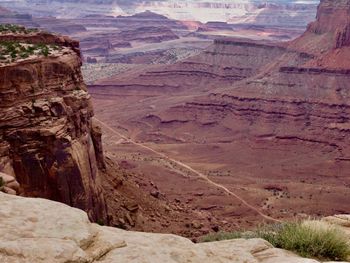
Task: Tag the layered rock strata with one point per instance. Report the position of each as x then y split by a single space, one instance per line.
47 140
250 114
262 87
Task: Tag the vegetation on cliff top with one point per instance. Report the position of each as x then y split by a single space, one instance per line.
11 28
313 239
11 51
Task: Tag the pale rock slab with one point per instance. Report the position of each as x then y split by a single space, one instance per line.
39 230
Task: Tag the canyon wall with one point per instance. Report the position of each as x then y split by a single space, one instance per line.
304 82
333 18
47 140
276 13
250 114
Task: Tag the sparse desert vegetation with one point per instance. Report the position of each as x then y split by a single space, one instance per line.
93 72
11 28
11 51
312 239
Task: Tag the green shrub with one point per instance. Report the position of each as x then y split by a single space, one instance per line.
100 222
312 239
11 50
2 182
24 55
309 239
11 28
45 51
14 54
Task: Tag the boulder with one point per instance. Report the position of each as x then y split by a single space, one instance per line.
10 185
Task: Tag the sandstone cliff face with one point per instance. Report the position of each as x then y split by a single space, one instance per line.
46 136
333 18
37 230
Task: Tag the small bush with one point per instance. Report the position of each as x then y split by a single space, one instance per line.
12 50
12 28
312 239
100 222
2 182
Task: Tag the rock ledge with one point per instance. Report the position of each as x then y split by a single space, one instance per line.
39 230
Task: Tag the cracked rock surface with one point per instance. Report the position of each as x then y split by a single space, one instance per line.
39 230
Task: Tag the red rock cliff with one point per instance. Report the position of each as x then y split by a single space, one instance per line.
333 18
47 139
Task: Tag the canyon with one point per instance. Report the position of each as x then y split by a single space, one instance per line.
198 10
179 28
257 120
50 144
194 128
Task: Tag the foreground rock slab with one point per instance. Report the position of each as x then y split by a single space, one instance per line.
39 230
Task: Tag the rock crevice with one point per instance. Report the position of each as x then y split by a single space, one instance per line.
38 230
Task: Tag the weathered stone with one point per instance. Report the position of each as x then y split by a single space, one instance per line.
48 141
8 190
10 185
13 185
7 178
131 206
332 18
155 193
129 219
38 230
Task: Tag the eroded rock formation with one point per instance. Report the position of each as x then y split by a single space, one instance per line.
47 139
8 184
252 109
333 19
264 86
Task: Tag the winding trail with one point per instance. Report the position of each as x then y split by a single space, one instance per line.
199 174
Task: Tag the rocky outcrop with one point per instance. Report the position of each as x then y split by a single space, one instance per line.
220 65
333 18
47 140
8 184
37 230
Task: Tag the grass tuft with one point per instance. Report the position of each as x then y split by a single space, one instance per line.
312 239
